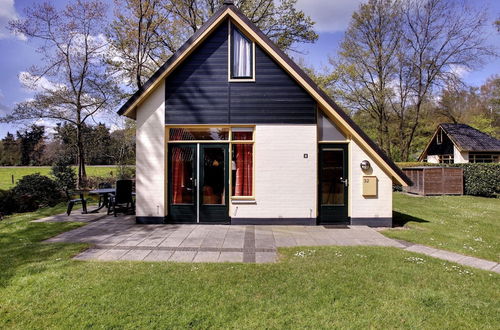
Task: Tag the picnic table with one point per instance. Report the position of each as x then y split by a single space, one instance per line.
104 193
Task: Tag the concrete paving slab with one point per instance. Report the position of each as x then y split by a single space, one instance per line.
230 257
135 255
206 256
112 255
158 255
89 254
496 269
183 256
477 263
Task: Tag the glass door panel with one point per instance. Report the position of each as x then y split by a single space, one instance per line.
332 176
213 185
182 163
333 183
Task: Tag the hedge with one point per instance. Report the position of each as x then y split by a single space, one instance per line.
479 179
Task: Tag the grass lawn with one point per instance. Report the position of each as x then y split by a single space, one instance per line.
464 224
343 287
19 171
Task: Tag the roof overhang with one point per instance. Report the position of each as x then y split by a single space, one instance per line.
329 107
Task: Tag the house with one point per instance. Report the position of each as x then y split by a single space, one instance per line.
460 143
231 130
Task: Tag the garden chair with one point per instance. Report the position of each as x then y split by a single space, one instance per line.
123 197
102 199
72 202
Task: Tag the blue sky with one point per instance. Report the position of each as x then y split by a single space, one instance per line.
331 17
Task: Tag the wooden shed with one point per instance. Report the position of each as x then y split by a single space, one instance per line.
433 180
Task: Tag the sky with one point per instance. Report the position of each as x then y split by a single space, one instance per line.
331 16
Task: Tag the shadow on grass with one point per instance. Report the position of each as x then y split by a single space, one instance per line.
401 219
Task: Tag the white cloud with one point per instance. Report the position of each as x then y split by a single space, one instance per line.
329 15
36 83
459 70
7 13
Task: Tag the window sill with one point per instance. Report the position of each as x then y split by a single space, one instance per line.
248 200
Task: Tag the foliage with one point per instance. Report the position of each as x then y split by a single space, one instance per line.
92 182
395 58
481 179
32 145
463 224
64 175
11 152
144 34
8 203
76 85
35 191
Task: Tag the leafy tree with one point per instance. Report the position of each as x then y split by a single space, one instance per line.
11 154
397 54
32 144
366 63
76 86
145 33
64 174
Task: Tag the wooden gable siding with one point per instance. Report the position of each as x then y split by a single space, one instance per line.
198 91
445 148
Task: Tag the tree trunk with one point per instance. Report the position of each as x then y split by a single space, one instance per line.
82 174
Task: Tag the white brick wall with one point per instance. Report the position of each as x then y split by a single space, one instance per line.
460 157
433 159
285 181
368 207
150 155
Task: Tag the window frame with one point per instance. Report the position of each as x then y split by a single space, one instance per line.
493 158
446 159
230 77
229 141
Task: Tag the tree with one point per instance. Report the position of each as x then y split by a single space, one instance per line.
11 155
75 85
32 143
397 54
145 33
439 40
366 63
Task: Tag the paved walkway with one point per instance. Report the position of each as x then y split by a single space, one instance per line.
121 239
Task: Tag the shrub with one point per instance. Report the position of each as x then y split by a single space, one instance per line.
8 203
64 174
481 179
92 182
35 191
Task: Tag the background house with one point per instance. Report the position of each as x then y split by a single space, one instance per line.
461 143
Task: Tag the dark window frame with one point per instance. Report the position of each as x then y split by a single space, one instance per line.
234 29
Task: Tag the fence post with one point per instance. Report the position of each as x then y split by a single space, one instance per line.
12 177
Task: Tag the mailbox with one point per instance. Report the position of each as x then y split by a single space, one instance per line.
370 186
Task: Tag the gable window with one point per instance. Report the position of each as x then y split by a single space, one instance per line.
439 137
241 55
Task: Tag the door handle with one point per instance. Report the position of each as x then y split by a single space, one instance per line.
344 181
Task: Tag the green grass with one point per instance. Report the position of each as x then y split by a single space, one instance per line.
18 172
464 224
331 287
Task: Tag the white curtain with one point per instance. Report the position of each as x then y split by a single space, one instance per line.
241 56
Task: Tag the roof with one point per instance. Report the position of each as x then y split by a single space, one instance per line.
468 138
331 109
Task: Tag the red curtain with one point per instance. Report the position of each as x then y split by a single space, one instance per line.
177 174
244 168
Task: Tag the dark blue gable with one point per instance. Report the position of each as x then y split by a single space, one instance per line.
198 91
